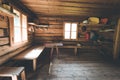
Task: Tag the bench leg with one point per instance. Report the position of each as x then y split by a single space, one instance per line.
23 75
14 77
34 64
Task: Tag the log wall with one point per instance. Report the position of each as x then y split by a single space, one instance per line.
52 33
55 32
7 51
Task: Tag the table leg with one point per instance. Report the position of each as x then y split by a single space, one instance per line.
34 64
75 51
23 75
50 68
14 77
57 51
51 52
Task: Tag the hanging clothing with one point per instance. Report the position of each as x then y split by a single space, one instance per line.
87 36
93 35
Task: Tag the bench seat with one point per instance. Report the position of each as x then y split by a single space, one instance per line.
13 72
30 54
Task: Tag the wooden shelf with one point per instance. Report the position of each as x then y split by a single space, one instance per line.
93 25
107 30
7 11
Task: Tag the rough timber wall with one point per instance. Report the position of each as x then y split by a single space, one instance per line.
52 33
6 50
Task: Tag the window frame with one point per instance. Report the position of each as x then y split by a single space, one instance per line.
11 21
70 30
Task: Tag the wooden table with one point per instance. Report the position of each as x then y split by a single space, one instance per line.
52 46
74 47
30 54
13 72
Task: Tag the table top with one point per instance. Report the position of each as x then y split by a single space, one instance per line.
31 53
62 45
53 44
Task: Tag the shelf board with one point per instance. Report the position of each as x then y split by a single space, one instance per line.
93 25
107 30
7 11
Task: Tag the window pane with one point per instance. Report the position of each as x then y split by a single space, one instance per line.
24 27
16 19
73 35
70 31
67 35
24 21
74 27
17 35
24 32
17 28
67 26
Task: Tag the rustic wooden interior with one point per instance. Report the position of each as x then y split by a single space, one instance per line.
54 14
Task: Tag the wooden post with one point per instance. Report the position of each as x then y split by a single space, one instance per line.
116 51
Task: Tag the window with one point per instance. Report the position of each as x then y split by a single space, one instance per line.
20 27
24 28
17 27
70 31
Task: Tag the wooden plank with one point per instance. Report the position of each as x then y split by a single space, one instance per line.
85 3
12 72
7 48
1 32
69 1
48 38
3 20
50 31
116 51
3 24
54 22
7 12
4 55
49 35
29 54
56 26
11 19
4 41
73 8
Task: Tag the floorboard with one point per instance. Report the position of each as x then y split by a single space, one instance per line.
89 64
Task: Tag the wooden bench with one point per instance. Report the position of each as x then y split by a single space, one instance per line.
75 46
30 54
13 72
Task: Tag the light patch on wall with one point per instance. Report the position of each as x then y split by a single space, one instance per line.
1 32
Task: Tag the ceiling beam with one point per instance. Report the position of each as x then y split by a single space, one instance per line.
23 8
67 4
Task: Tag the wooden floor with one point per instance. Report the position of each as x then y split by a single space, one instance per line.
89 64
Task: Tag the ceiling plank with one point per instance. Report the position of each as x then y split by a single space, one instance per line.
67 4
23 8
79 8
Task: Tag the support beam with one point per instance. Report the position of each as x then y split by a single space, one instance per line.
116 52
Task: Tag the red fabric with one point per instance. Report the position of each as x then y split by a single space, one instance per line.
87 36
104 20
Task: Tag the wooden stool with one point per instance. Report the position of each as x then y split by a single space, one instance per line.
13 72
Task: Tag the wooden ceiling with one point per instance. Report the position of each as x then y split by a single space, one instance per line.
73 8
